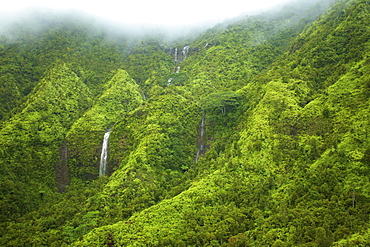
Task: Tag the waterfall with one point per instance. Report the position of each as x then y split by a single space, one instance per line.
203 127
175 55
178 58
197 156
104 154
185 50
181 56
201 137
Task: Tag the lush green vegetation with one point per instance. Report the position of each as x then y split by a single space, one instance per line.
85 136
31 139
285 150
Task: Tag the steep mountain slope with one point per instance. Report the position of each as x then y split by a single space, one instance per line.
85 136
257 138
296 172
31 140
32 45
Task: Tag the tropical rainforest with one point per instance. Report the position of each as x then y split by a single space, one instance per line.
253 132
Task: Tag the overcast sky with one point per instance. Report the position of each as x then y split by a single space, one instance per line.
167 12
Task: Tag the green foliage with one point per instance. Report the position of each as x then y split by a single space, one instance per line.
153 142
147 60
189 218
52 224
221 101
32 47
31 139
9 95
286 140
85 137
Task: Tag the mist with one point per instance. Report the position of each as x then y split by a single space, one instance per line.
38 18
161 12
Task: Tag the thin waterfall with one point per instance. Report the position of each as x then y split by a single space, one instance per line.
179 57
185 50
175 55
202 127
201 137
104 154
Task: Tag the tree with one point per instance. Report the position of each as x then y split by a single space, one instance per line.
221 101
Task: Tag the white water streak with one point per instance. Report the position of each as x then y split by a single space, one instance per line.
104 155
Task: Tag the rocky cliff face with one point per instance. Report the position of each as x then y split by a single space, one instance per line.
61 169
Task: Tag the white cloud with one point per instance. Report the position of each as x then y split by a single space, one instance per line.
167 12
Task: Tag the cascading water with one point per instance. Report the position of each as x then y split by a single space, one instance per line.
175 55
104 154
203 126
201 137
185 50
178 58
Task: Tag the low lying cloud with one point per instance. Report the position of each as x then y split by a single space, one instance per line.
163 12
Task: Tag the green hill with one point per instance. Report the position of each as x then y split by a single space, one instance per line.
252 134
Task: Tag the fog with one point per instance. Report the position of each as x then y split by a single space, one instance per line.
166 20
160 12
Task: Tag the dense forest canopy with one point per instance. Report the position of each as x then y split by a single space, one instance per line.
253 132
